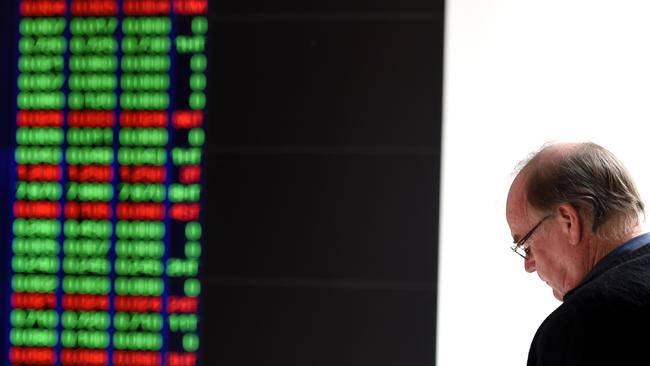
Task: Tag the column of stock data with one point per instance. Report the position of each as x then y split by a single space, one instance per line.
141 228
185 189
106 228
87 225
34 319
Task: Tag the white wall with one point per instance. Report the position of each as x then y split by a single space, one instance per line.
519 73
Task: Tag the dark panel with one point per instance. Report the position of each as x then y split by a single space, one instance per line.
340 216
322 179
326 82
318 327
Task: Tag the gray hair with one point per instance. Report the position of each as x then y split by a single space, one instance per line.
591 179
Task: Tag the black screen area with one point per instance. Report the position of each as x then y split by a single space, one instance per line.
223 183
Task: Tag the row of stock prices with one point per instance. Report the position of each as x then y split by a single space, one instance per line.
106 216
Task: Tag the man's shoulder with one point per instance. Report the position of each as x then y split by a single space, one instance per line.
627 281
598 330
598 320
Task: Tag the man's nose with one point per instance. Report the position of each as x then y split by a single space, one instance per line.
529 264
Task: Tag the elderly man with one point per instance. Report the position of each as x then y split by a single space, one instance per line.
574 214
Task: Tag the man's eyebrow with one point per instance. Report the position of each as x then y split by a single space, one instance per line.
515 239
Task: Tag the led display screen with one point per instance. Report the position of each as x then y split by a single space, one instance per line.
105 223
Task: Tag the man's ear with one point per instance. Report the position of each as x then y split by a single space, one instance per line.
570 222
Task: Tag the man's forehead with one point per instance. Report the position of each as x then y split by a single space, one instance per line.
517 193
517 206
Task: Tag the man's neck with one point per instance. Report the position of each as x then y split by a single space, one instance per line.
599 248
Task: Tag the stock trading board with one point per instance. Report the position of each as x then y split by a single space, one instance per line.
105 227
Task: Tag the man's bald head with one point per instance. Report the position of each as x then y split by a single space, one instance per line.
590 178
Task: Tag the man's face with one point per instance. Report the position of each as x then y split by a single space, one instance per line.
548 253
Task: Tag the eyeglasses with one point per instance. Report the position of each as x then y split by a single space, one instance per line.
520 246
